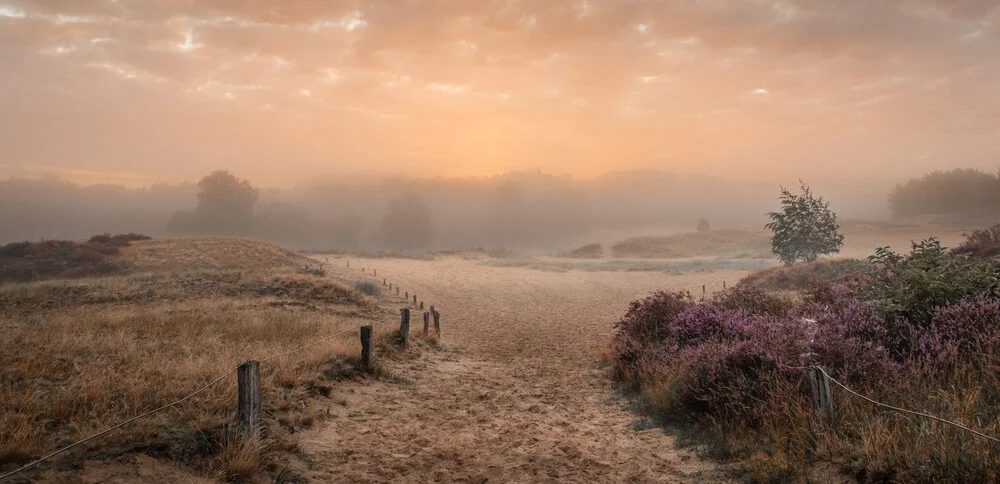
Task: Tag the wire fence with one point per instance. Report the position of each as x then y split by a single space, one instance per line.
172 404
879 404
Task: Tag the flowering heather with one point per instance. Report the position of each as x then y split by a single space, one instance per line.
726 365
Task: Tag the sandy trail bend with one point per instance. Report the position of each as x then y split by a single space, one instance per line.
522 401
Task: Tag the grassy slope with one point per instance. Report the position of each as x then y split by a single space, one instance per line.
79 355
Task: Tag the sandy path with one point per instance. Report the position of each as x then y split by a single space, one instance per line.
523 401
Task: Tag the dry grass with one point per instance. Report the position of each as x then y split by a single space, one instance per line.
737 244
186 253
81 355
799 276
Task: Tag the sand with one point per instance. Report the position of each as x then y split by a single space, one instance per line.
522 398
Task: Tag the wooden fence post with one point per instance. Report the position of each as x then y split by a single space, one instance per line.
427 322
384 281
723 285
406 295
348 263
404 326
397 290
375 272
437 321
366 347
703 292
248 398
414 299
821 393
421 305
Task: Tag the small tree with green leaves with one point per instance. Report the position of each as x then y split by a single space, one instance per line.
805 228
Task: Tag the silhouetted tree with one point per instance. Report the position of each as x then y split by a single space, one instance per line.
805 228
407 222
703 225
225 207
226 204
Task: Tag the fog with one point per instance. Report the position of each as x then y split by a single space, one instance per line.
513 123
515 210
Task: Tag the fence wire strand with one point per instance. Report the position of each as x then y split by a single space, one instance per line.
890 407
118 426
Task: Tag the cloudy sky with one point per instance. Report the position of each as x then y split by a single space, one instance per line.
279 91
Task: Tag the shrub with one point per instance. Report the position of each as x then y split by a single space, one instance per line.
981 243
703 226
805 228
370 288
910 287
28 261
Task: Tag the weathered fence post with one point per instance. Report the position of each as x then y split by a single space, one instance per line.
248 398
437 321
397 290
375 272
723 285
427 322
366 347
348 263
404 326
414 299
421 305
384 281
702 292
821 393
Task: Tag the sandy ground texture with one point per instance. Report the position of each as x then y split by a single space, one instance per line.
519 399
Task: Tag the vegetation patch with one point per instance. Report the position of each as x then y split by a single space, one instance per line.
32 261
80 355
919 330
803 275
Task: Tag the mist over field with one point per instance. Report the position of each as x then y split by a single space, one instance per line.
515 210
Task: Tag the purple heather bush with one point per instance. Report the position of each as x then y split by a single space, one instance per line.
727 365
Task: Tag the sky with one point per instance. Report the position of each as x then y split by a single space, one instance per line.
136 91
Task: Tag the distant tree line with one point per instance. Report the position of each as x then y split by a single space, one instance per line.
227 205
942 192
515 210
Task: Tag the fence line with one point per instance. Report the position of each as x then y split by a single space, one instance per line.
890 407
172 404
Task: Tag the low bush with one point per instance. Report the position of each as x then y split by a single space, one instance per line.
370 288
